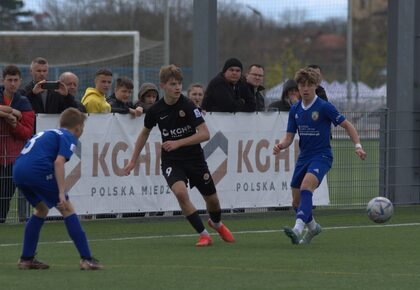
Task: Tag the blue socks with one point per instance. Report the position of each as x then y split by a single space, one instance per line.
74 228
76 233
305 206
31 236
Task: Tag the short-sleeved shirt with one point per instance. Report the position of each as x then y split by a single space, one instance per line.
33 172
40 152
177 121
313 125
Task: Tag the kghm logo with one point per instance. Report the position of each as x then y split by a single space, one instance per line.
218 141
177 132
250 155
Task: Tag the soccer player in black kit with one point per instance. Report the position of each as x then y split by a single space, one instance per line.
182 129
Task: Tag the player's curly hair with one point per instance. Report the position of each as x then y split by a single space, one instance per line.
168 72
71 117
308 75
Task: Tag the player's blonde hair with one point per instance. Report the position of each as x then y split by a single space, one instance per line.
71 118
168 72
308 75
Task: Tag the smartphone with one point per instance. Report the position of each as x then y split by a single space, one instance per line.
48 85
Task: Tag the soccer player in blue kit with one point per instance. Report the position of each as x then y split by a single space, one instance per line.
39 174
183 129
311 117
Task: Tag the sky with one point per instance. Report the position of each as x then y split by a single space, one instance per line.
273 9
315 9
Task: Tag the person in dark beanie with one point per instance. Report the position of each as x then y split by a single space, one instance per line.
232 62
228 91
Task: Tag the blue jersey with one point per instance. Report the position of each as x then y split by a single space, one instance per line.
40 152
313 125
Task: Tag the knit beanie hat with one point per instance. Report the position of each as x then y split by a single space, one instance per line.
232 62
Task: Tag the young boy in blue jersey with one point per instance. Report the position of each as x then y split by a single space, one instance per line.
39 174
311 117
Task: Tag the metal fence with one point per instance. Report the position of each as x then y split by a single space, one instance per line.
352 182
10 201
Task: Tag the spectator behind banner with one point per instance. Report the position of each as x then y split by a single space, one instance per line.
147 96
195 93
255 79
228 91
120 99
42 100
16 126
94 99
320 91
72 83
289 96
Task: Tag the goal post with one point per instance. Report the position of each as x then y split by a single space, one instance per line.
86 49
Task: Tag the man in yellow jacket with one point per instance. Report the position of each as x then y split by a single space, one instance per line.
94 99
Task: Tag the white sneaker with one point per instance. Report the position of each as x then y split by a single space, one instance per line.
307 238
292 235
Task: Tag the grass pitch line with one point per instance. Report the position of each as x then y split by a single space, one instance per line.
214 234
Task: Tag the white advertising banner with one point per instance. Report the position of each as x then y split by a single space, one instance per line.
239 155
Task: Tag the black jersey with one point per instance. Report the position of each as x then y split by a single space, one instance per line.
176 122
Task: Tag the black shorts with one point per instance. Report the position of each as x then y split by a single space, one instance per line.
195 172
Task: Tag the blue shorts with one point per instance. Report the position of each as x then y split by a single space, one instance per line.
38 189
318 166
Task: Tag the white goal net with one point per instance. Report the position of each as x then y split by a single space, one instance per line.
84 52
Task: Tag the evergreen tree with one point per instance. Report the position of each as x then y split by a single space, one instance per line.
13 16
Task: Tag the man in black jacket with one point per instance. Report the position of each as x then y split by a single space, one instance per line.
71 81
42 100
255 79
228 91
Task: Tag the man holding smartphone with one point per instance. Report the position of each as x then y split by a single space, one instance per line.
48 97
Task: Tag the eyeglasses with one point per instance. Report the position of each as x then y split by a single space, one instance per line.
257 75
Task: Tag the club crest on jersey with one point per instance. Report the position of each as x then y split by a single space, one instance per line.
197 113
206 176
181 113
315 115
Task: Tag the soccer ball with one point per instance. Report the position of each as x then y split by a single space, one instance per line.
380 209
